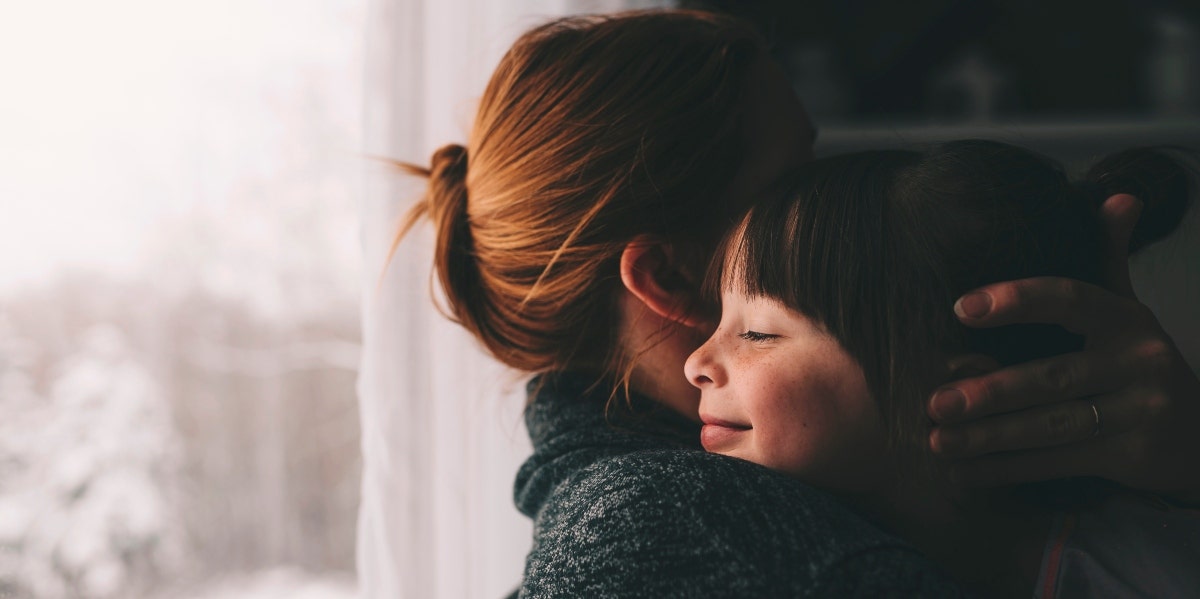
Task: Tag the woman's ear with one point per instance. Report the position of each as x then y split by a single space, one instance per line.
656 274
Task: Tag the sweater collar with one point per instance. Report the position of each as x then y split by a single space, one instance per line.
572 425
571 401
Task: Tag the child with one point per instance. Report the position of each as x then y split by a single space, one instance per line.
833 331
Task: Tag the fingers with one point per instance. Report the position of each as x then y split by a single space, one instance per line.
1059 424
1095 419
1120 214
1098 436
1077 306
1026 385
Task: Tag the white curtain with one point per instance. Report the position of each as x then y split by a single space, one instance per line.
442 434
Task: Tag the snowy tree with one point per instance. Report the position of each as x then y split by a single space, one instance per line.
86 508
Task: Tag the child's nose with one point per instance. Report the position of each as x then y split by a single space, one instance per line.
699 367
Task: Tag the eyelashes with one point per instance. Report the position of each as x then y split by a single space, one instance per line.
756 337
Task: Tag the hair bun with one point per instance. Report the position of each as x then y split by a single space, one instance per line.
448 186
446 202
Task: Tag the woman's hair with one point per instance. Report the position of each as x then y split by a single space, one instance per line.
876 246
593 130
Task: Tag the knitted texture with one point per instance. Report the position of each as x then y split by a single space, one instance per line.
633 508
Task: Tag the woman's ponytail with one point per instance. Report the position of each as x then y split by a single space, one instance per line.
454 251
1155 176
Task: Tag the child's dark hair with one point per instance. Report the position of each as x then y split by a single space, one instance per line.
876 246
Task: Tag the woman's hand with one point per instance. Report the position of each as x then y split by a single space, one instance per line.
1126 407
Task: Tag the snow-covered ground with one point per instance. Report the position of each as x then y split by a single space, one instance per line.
279 583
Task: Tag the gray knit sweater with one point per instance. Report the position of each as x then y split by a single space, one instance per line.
635 509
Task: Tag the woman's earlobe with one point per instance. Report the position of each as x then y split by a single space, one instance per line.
653 273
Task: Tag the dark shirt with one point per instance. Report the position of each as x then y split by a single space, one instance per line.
632 507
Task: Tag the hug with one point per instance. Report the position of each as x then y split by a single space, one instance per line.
756 374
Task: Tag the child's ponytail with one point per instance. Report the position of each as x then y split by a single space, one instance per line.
1156 177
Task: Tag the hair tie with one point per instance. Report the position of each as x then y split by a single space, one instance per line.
450 159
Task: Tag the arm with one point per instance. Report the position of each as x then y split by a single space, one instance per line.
1036 421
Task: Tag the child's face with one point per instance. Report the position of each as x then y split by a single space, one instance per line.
779 391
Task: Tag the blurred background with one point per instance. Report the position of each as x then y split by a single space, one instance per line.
212 381
938 61
1074 79
179 297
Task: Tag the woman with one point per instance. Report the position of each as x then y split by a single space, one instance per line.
608 155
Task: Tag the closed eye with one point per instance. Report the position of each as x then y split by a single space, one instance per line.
756 337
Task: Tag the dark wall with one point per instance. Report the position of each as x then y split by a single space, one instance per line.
979 60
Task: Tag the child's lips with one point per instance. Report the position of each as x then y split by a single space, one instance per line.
717 434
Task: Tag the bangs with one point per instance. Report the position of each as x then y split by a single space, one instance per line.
772 254
819 248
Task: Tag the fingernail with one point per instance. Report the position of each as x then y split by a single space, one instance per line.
948 442
949 404
973 305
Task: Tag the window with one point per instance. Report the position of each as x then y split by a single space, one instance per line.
179 298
